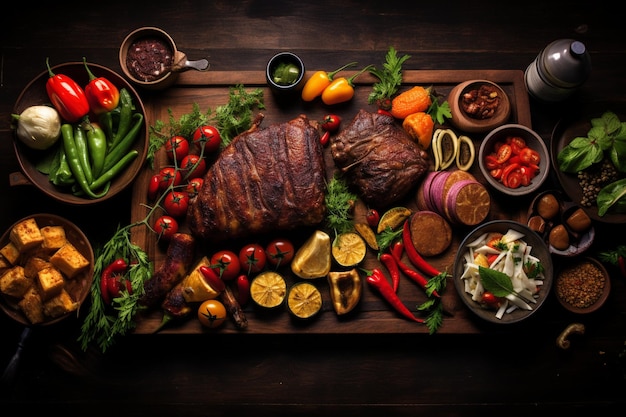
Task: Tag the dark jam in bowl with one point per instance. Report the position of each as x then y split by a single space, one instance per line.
149 58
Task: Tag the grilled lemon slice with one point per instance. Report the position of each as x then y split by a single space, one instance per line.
349 249
393 218
304 300
268 289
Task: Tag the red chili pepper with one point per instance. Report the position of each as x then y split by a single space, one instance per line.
243 289
408 271
212 278
102 95
67 96
378 280
109 283
325 138
413 255
391 265
384 112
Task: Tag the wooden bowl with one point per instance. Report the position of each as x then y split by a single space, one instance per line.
588 278
35 94
471 123
78 287
533 141
539 250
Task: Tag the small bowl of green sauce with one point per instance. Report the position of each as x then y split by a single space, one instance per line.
285 73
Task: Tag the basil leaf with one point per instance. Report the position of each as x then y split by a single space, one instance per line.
618 154
612 196
576 158
496 282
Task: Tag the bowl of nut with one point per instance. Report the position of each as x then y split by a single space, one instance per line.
582 286
46 269
478 106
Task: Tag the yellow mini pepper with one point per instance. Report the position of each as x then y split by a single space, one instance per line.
316 84
341 89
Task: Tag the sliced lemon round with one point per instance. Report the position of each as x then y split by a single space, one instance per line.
393 218
304 300
349 249
268 289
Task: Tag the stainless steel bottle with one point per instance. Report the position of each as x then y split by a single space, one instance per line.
558 71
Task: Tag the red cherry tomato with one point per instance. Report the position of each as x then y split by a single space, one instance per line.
193 166
530 156
193 186
252 258
226 264
279 252
490 300
331 123
169 176
503 153
177 147
165 227
517 144
207 137
153 187
243 289
176 203
372 217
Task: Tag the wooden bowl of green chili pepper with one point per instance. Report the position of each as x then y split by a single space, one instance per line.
103 137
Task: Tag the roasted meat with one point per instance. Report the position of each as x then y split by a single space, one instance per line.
378 158
265 180
179 257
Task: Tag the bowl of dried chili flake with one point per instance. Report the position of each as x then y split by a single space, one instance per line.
582 286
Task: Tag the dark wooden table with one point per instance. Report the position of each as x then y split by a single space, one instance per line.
515 370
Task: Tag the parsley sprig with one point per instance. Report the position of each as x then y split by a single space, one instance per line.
390 79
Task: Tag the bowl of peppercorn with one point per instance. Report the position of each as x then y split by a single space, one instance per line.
285 74
582 286
478 106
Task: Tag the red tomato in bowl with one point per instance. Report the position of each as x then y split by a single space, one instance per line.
226 264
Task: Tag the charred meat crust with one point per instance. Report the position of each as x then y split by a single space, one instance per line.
378 158
265 180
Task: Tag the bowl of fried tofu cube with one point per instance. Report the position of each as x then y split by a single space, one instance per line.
46 269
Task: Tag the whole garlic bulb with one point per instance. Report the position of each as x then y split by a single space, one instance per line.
39 127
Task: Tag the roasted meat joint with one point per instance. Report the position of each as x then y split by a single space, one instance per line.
379 158
266 179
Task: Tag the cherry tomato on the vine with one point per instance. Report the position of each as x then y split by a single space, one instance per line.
252 258
212 313
165 227
154 187
177 147
226 264
279 252
331 123
193 186
169 176
208 137
176 203
193 166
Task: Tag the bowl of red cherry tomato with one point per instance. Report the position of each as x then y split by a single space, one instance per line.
514 159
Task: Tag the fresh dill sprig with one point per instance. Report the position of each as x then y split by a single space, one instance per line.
339 205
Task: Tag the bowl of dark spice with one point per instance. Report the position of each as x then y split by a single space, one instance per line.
478 106
285 73
149 58
582 286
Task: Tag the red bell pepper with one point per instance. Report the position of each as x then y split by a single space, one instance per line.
102 95
66 96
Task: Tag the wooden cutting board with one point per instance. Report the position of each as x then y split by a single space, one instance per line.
373 315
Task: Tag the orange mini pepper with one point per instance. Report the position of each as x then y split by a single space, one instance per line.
420 127
318 82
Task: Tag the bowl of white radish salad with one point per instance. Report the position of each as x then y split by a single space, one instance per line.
503 271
